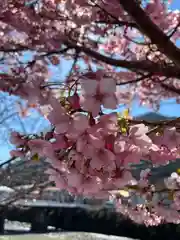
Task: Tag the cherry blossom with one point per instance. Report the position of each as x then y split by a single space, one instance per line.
120 51
17 139
97 92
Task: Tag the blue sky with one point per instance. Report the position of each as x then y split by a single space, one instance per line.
37 123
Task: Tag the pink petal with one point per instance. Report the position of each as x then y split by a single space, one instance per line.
89 151
96 141
131 158
80 122
62 127
16 139
17 153
138 129
88 86
110 102
74 179
96 163
107 86
119 145
81 143
90 104
60 143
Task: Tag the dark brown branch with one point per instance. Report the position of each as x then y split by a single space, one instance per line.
151 30
143 65
144 77
113 18
62 51
8 161
170 88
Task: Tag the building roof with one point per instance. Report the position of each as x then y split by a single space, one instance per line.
153 116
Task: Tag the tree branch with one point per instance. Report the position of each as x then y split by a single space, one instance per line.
143 65
151 30
170 88
144 77
8 161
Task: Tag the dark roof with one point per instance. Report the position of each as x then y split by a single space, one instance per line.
153 116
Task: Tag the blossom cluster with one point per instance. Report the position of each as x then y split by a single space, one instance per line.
91 151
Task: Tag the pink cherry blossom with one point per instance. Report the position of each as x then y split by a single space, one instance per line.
74 179
139 137
109 123
96 93
17 153
74 101
60 119
103 159
60 142
42 147
17 139
124 53
80 118
173 181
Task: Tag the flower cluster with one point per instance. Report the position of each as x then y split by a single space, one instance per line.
90 151
93 155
